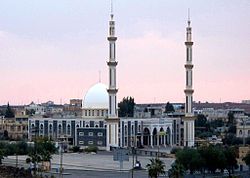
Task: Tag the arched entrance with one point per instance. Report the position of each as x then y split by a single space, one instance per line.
168 133
146 137
161 136
155 136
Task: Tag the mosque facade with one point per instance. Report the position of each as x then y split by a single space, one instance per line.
100 125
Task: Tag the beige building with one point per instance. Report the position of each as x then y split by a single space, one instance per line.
243 127
242 153
14 128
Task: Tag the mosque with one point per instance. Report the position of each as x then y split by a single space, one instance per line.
100 124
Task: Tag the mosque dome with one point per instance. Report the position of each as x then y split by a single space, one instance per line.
96 97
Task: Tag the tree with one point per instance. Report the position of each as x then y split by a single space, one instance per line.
156 167
126 107
169 108
213 157
30 112
231 139
200 121
231 162
9 112
231 119
5 135
190 159
42 151
2 155
176 171
246 159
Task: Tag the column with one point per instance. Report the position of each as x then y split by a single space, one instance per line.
151 141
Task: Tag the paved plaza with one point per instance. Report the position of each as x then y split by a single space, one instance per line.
93 165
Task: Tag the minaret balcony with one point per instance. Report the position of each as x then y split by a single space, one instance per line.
189 66
189 91
112 63
189 43
112 38
112 90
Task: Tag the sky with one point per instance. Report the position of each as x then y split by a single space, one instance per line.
54 50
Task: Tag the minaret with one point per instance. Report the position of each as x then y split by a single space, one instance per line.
189 116
112 120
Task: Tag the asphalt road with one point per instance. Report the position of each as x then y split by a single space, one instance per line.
102 174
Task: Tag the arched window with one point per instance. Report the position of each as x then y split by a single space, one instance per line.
68 129
240 132
77 126
41 129
59 129
126 130
50 128
96 126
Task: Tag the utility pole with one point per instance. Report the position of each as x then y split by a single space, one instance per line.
61 159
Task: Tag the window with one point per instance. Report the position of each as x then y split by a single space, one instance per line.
126 131
93 113
68 129
81 142
59 129
50 128
99 134
81 133
98 112
99 142
102 112
91 134
90 142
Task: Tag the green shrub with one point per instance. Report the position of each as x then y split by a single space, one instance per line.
91 149
75 149
175 150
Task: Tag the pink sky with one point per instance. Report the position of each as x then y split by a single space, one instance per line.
56 53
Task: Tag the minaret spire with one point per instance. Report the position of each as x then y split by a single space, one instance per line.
189 116
111 7
112 120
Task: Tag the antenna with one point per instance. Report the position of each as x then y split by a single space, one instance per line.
111 6
189 16
111 9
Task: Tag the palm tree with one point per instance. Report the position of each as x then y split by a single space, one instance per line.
176 171
156 167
